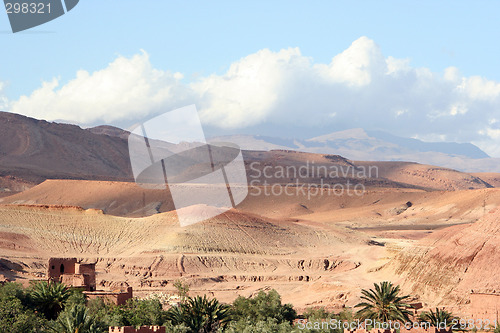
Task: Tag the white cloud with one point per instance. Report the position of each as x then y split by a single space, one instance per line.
452 74
249 92
357 65
396 66
4 102
128 88
479 88
360 87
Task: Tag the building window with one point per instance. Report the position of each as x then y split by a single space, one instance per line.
62 268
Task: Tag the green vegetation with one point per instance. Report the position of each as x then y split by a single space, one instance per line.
76 319
15 316
199 314
49 298
383 304
263 306
52 307
262 313
182 290
17 313
439 318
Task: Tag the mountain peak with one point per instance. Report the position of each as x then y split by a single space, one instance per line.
353 133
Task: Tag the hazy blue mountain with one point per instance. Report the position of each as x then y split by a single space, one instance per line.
453 148
360 144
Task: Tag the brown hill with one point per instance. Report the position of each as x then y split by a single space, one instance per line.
110 131
317 247
447 265
114 198
237 251
35 150
427 176
335 169
491 178
74 231
379 206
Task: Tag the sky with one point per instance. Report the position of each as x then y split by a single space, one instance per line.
426 69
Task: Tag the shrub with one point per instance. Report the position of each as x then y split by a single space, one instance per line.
137 312
263 306
76 319
17 318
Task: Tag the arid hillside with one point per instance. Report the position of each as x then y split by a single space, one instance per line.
239 251
428 176
490 177
375 206
374 174
34 150
448 265
303 229
325 246
113 198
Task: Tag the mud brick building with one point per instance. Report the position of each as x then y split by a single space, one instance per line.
117 297
72 273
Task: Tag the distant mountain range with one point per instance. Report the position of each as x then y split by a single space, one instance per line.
33 150
365 145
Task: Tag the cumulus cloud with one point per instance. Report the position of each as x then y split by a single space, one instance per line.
250 91
359 87
357 65
127 89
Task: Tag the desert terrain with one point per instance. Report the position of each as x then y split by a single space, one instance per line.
316 251
431 229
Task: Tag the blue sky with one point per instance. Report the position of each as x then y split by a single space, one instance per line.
203 39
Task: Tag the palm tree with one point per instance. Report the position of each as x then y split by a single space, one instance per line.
49 298
437 319
383 304
200 314
77 320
